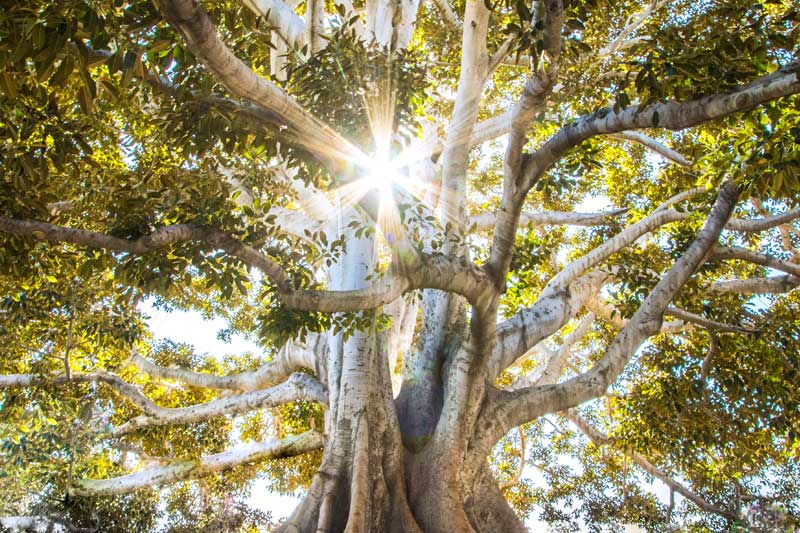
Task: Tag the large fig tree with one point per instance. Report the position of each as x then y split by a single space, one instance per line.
503 259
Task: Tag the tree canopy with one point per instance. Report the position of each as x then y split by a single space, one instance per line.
542 253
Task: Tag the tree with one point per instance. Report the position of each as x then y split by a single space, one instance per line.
386 197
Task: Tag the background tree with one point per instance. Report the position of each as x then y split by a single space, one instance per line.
387 198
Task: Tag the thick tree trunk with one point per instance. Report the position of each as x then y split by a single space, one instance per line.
370 481
381 470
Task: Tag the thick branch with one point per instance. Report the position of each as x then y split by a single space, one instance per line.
159 238
297 387
193 469
124 388
291 357
768 285
671 115
743 254
547 315
435 271
513 409
762 224
533 100
549 218
556 360
198 31
286 22
613 245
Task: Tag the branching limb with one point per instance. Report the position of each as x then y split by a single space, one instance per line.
768 285
533 100
280 16
529 326
125 389
569 290
189 19
483 131
599 439
743 254
315 21
159 238
652 144
556 360
549 218
29 523
291 357
297 387
432 271
193 469
435 271
613 245
510 409
671 115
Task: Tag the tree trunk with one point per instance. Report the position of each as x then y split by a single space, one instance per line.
381 470
370 481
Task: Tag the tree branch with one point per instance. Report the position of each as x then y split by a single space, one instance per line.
599 440
534 97
286 22
652 144
743 254
189 19
671 115
298 387
762 224
510 409
435 271
291 357
625 238
125 389
556 360
768 285
529 326
700 320
193 469
159 238
550 218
